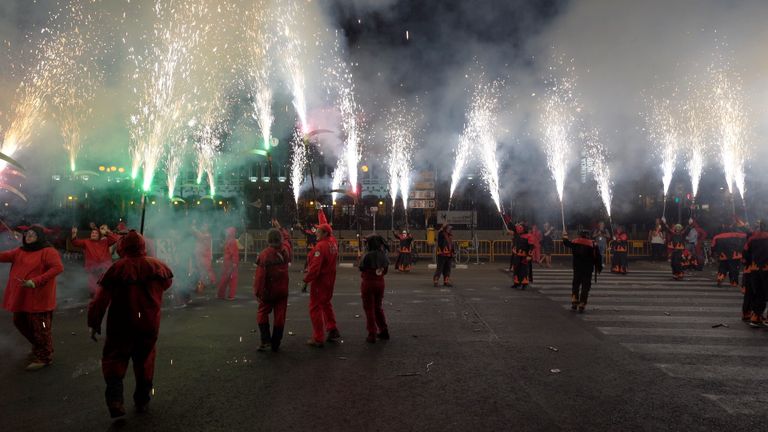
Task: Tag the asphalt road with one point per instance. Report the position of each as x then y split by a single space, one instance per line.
478 356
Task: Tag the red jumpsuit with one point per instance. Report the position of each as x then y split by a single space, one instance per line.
204 256
373 267
270 285
132 288
98 258
33 307
229 268
321 273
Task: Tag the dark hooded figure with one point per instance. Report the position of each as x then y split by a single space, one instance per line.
586 257
373 267
132 289
31 292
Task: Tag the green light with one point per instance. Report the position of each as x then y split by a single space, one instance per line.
259 152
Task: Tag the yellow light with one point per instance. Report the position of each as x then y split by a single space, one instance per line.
334 202
198 202
175 203
381 202
113 168
311 203
364 168
153 202
131 202
221 202
102 168
70 198
121 170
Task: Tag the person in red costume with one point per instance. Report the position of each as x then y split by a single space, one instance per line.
229 267
132 289
373 267
619 251
96 250
204 256
321 275
270 285
444 253
31 292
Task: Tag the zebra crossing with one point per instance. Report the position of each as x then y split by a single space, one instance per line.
691 330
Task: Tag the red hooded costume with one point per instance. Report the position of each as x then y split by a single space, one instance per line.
98 257
132 288
321 274
229 267
270 285
33 307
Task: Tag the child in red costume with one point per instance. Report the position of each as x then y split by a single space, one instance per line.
132 288
270 285
229 268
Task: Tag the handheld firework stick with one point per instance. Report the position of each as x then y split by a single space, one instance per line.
562 214
13 235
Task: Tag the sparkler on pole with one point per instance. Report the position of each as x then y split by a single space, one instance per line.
557 123
664 130
161 74
289 21
401 125
596 158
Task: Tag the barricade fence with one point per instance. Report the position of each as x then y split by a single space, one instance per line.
424 252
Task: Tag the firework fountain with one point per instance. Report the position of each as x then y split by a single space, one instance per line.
401 125
56 60
298 164
162 72
558 120
259 41
663 132
78 77
694 127
293 54
728 112
596 156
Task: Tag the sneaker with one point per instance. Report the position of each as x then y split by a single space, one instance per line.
383 335
36 365
756 321
264 347
371 338
116 409
582 306
574 306
334 336
314 343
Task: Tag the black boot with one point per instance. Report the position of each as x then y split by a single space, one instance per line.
114 397
277 336
142 395
266 340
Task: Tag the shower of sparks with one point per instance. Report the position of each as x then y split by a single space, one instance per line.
484 112
558 121
337 180
663 129
728 113
57 59
293 54
298 163
596 156
694 127
343 83
173 162
208 139
78 77
161 73
401 125
259 41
